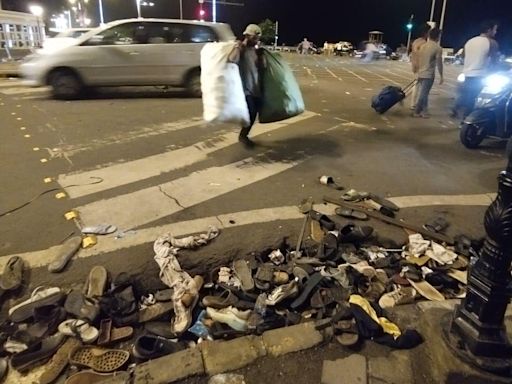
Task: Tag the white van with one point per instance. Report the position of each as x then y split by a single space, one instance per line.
127 53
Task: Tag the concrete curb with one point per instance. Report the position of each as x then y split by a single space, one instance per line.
213 357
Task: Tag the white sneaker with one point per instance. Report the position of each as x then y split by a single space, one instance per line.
403 295
231 316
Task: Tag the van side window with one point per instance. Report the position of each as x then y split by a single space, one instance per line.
124 34
201 34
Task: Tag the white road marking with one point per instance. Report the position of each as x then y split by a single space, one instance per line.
134 209
355 74
333 74
141 169
379 75
230 220
128 136
23 90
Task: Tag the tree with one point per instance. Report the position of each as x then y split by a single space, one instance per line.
268 31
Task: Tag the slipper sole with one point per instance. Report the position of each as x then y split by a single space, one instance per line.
68 249
25 311
242 271
96 282
101 360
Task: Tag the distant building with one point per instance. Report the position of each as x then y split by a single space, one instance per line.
19 30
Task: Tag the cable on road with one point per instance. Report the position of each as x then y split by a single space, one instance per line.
98 180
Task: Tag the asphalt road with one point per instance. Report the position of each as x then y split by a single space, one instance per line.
142 159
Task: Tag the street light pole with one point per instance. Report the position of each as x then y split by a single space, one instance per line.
276 35
432 10
101 12
441 23
409 27
214 11
181 9
137 2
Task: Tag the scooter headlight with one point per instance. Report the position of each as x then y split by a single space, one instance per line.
494 84
461 78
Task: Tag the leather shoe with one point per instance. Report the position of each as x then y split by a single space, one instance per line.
150 347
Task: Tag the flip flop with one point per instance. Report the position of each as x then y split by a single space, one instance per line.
349 332
79 329
100 359
67 250
109 334
91 377
306 205
324 220
59 361
243 272
13 274
427 290
329 181
354 196
351 213
40 297
101 229
96 282
311 283
317 233
437 225
384 202
225 299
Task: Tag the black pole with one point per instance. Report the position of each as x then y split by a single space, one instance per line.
477 331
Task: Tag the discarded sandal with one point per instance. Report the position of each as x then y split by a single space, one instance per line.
324 220
79 329
329 181
91 377
37 353
155 311
225 299
96 282
438 224
101 229
40 297
67 250
13 274
58 362
346 332
243 272
352 233
351 213
99 359
354 196
110 334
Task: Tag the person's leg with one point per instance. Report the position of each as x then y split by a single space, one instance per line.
428 88
474 87
425 85
253 111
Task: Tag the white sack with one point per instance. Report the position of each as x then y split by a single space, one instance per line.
223 93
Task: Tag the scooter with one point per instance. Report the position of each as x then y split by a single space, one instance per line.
492 115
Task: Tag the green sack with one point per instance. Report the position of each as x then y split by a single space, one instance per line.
282 98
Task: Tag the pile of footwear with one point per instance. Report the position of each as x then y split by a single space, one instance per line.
338 275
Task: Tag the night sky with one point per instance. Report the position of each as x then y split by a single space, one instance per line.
321 20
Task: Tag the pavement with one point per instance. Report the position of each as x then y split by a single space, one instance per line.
143 160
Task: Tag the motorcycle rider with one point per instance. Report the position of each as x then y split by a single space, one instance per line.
480 54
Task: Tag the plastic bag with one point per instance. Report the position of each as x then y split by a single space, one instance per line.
282 98
221 85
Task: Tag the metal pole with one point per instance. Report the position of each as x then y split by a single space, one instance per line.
408 41
40 37
441 23
101 12
181 9
138 8
69 19
214 11
432 10
276 35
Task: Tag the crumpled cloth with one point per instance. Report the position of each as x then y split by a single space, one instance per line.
166 248
417 245
441 254
387 326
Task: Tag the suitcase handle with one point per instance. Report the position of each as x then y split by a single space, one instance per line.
410 86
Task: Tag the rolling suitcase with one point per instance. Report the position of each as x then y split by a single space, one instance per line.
389 96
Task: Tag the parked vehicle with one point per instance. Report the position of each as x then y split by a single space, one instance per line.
343 48
492 114
133 52
64 39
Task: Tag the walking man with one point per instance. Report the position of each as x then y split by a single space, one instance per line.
250 62
415 47
430 55
480 54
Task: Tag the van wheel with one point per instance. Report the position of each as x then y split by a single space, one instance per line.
66 85
193 84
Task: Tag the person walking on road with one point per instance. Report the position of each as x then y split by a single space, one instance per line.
250 63
415 47
430 56
480 54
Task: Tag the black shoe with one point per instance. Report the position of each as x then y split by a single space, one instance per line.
151 347
246 142
37 353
